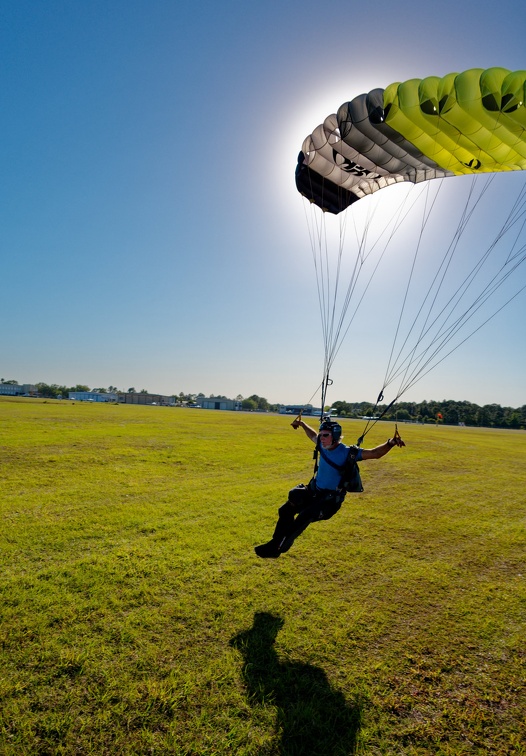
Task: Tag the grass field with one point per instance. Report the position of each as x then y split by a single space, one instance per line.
136 618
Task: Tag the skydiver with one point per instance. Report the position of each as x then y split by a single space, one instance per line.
322 497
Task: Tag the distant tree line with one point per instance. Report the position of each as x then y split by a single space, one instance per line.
448 412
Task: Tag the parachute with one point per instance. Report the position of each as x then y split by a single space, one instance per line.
463 124
472 122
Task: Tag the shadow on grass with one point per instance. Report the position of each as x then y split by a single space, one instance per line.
313 718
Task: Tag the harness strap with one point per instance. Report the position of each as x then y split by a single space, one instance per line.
330 462
351 455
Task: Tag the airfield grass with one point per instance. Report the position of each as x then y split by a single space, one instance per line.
136 618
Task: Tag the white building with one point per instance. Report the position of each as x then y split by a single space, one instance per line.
15 389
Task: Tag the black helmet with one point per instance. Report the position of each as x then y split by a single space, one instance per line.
334 428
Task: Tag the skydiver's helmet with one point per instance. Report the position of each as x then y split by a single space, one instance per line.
332 427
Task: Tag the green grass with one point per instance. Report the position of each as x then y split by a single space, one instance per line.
136 618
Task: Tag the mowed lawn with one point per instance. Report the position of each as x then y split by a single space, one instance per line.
136 618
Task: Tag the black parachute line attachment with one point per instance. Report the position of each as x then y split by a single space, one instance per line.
324 388
326 382
372 421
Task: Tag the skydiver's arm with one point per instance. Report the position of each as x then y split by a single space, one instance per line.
381 451
310 432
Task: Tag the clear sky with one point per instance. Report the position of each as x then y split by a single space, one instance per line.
151 233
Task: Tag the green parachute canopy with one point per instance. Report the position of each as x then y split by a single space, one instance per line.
472 122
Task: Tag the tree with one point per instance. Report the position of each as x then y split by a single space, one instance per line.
260 402
131 390
515 420
343 409
51 392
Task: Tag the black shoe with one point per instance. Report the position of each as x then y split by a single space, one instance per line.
267 550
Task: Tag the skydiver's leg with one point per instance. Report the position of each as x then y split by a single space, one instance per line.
285 520
301 523
291 523
283 527
319 508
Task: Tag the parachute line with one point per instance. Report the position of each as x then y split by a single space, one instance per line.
423 343
419 362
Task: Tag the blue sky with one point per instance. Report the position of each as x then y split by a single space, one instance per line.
151 233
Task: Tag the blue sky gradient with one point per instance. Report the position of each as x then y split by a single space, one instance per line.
151 232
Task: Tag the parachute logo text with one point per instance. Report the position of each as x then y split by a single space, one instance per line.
349 166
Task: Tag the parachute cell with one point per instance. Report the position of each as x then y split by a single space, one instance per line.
472 122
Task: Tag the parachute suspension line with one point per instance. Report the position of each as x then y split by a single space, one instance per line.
332 297
332 321
432 354
498 279
395 221
424 361
517 210
322 267
317 234
408 364
448 256
371 422
327 288
335 328
336 322
425 218
319 246
422 372
359 262
338 331
456 327
444 266
324 387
